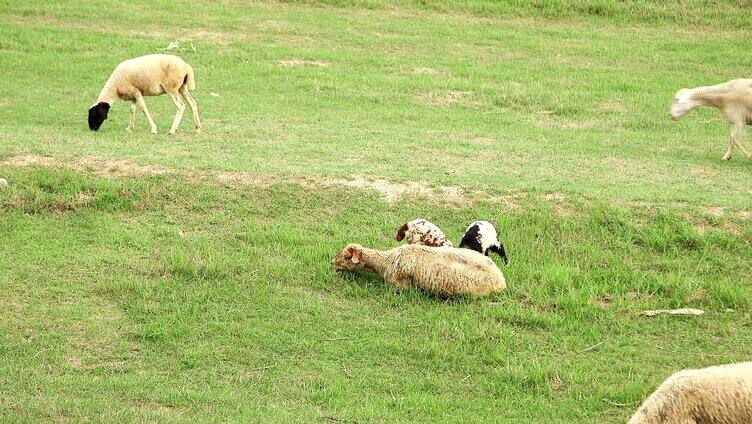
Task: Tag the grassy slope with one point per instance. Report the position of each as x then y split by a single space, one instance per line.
162 298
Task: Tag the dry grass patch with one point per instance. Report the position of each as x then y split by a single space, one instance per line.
302 62
111 168
550 121
182 34
425 70
448 98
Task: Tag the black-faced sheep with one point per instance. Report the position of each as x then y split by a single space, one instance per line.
421 231
482 237
149 75
732 98
443 270
714 395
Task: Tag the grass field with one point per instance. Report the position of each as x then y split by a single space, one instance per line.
186 278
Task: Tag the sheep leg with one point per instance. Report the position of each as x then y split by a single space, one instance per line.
132 123
142 105
194 107
737 132
179 115
398 281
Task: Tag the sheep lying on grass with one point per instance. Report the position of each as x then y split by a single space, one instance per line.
732 98
149 75
481 236
714 395
443 270
420 231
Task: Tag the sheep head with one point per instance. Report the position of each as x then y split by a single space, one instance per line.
97 115
350 258
683 103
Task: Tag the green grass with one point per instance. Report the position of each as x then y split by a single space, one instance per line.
205 294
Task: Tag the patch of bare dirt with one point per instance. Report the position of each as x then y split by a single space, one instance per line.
392 192
716 211
96 165
118 167
301 62
604 301
511 203
744 214
4 103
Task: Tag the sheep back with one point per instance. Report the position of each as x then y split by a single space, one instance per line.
714 395
151 75
445 270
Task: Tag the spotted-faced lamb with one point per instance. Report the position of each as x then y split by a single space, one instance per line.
421 231
482 237
732 98
149 75
446 271
714 395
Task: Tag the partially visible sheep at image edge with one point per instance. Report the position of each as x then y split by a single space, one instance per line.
482 237
714 395
421 231
150 75
732 98
443 270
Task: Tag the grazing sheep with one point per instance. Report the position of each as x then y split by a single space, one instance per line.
714 395
420 231
732 98
481 236
443 270
149 75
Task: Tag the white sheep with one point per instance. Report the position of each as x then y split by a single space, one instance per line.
443 270
149 75
421 231
482 237
732 98
714 395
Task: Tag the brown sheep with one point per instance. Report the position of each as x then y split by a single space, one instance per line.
446 271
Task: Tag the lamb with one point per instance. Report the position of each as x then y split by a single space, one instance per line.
149 75
714 395
481 236
732 98
446 271
421 231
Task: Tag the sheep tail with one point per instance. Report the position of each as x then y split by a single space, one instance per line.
401 232
189 80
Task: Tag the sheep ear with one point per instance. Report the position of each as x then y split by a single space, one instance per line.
356 255
401 232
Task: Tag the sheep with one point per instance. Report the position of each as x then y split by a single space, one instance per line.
481 237
446 271
714 395
421 231
149 75
732 98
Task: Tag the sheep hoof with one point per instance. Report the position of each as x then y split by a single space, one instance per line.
171 132
129 130
726 158
154 132
198 130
